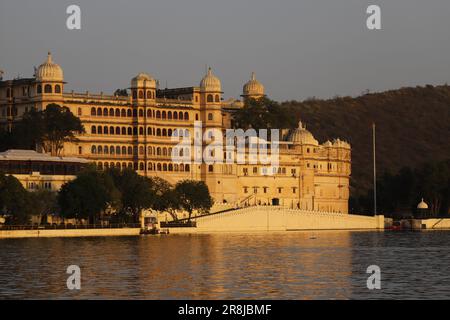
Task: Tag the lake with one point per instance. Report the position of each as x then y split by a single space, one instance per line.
290 265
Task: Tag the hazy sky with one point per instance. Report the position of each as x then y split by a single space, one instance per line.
298 48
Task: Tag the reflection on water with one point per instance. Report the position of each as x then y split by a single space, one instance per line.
296 265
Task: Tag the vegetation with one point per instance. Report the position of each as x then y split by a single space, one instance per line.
413 127
193 195
14 203
402 192
121 93
49 129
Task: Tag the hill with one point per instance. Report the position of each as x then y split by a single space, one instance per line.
413 127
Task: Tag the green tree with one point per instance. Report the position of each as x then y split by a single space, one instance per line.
193 195
121 93
137 192
13 200
90 194
49 128
43 203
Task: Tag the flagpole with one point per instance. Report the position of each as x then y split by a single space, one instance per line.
374 170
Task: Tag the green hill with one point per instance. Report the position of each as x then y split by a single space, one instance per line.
413 127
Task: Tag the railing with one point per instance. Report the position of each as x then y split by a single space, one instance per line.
178 224
69 226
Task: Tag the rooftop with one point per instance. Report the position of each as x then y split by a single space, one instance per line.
31 155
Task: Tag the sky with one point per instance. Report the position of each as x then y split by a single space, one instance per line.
297 48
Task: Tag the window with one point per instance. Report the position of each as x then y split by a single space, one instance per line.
210 116
294 190
210 168
57 88
79 112
48 88
93 130
39 90
210 98
217 98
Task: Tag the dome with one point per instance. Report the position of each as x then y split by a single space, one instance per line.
302 136
422 205
143 80
210 82
49 71
253 87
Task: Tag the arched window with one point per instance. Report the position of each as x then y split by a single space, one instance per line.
164 132
217 98
124 150
150 151
112 150
111 112
210 98
149 94
186 132
169 115
141 150
141 131
134 94
117 113
158 114
105 130
180 115
117 150
94 130
105 150
93 149
159 166
210 116
196 116
111 130
57 88
186 168
141 166
158 132
129 131
48 88
175 116
165 167
170 167
99 149
99 111
150 166
99 130
93 113
141 94
130 150
105 112
186 116
163 115
141 113
164 151
169 132
134 113
123 113
149 113
135 131
128 113
118 130
124 131
38 90
158 151
100 165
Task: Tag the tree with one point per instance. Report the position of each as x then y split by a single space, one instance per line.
193 195
137 192
13 200
49 128
86 197
166 198
121 93
43 203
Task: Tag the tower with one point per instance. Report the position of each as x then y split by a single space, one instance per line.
253 89
49 84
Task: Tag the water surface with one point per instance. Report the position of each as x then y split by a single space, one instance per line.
293 265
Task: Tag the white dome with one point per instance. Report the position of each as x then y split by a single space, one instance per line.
143 80
210 82
302 136
253 87
49 71
422 205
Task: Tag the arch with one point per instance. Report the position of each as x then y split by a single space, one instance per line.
141 113
129 113
124 131
165 167
170 168
158 114
111 112
124 150
105 150
112 150
93 149
105 112
47 88
129 131
164 132
210 116
169 132
100 130
105 130
149 131
99 150
159 166
196 117
141 94
158 132
217 98
175 116
93 112
118 150
141 166
186 132
99 111
187 168
135 131
149 113
93 130
180 115
134 113
186 116
141 150
117 112
118 130
130 150
123 113
111 130
169 115
149 94
164 151
163 115
141 131
158 151
209 98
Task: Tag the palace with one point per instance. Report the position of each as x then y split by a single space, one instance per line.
137 131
